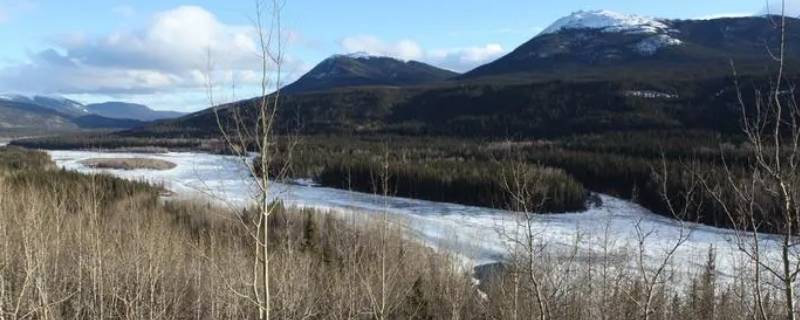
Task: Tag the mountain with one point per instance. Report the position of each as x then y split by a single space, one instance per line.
29 117
94 121
59 104
547 109
110 110
19 116
590 72
122 110
604 45
361 69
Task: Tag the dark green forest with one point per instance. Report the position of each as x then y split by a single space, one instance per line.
447 143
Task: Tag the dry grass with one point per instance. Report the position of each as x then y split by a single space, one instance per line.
129 164
89 249
94 247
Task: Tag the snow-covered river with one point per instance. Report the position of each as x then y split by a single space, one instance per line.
479 235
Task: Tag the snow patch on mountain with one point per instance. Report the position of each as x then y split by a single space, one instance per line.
607 21
56 103
651 45
650 94
13 97
63 101
331 61
361 55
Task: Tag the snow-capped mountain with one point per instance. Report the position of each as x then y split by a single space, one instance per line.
60 104
29 115
613 22
605 44
74 109
607 21
35 113
362 69
360 55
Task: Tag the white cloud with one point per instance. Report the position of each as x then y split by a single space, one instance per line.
465 59
169 55
403 49
176 40
724 15
458 59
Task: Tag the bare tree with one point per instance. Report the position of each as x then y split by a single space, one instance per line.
251 127
527 193
653 274
763 194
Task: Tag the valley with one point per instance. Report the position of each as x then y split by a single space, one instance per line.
477 235
600 165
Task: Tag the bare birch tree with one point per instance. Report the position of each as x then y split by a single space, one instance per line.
249 128
764 194
652 266
525 188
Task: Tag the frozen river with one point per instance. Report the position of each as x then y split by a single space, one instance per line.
478 235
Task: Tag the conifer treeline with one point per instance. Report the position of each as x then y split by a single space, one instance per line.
465 171
622 165
465 182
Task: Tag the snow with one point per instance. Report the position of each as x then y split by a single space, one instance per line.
361 55
64 102
650 94
13 97
331 61
476 235
607 21
651 45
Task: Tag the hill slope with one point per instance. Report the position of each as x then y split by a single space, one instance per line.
27 117
62 105
604 45
363 70
18 116
589 72
122 110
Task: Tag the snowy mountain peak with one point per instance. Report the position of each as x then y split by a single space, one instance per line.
57 103
12 97
608 21
360 55
58 100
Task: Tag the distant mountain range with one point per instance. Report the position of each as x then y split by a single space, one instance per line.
361 69
604 45
596 45
62 105
591 71
18 112
22 116
122 110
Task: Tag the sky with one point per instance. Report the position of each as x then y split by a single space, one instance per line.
168 53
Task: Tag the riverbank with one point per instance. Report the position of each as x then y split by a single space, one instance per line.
480 235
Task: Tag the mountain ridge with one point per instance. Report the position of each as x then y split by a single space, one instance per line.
606 46
361 69
27 117
616 72
110 114
133 111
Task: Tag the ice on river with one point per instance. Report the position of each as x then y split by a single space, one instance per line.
479 235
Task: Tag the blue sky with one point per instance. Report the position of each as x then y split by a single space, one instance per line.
156 51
